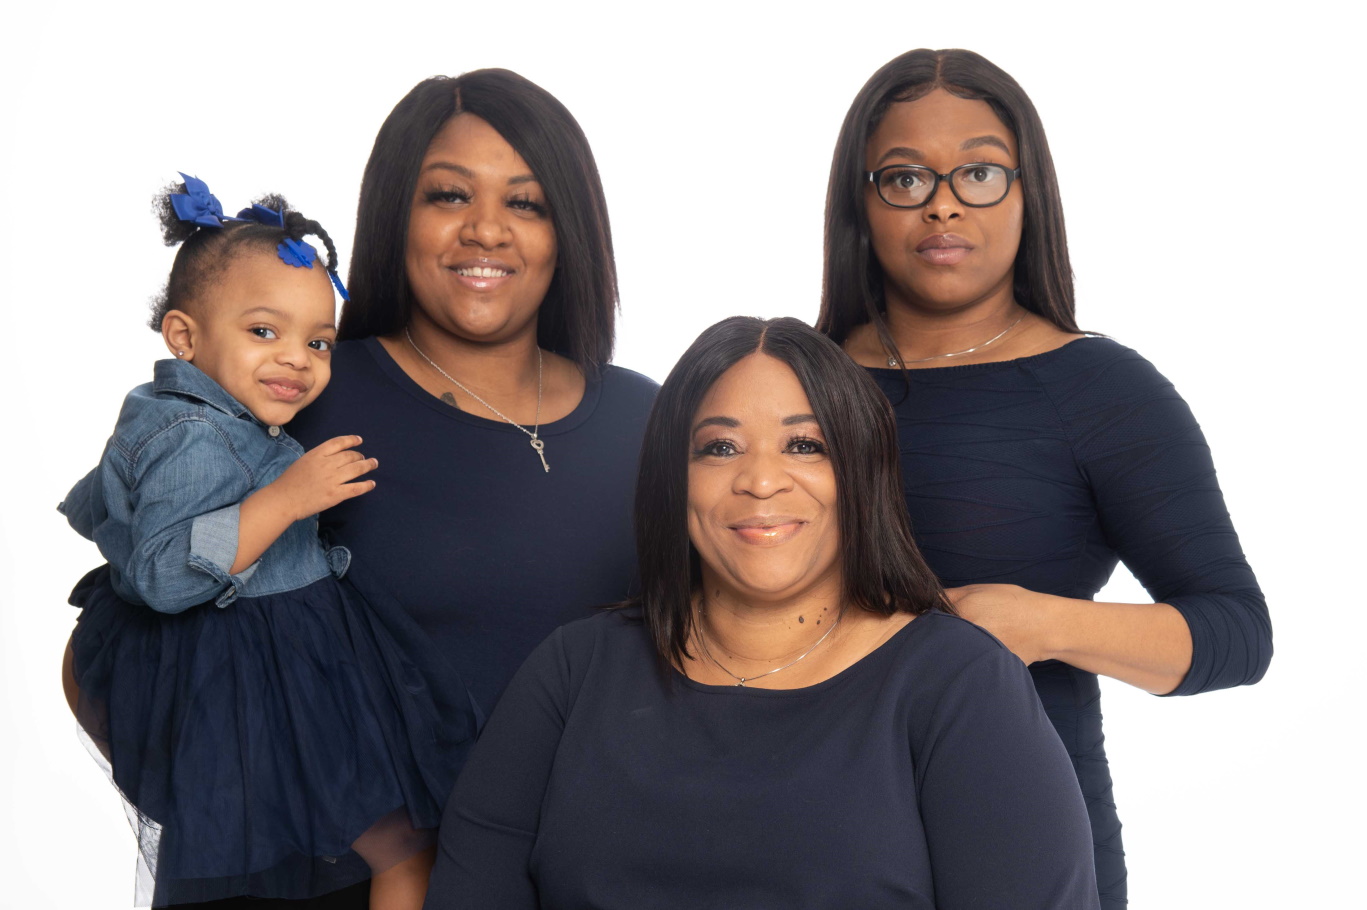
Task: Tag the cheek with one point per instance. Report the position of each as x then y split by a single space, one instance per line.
701 499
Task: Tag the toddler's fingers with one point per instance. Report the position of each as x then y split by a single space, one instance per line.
352 471
338 444
352 490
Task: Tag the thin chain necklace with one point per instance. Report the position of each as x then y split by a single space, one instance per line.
742 680
532 433
893 361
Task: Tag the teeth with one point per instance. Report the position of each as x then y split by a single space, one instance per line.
482 272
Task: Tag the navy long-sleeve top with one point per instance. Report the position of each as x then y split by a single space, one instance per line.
486 550
925 776
1044 472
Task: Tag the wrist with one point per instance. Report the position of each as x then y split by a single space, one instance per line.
1054 618
270 501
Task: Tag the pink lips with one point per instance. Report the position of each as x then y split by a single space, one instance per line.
768 530
289 390
944 249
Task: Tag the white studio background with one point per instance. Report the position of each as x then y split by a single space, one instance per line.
1209 160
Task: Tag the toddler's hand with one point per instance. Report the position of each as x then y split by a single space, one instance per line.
323 477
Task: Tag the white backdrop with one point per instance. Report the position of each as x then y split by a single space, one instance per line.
1210 166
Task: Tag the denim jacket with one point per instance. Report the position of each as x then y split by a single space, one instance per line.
163 503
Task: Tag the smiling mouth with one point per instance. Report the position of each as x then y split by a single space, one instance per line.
285 389
482 272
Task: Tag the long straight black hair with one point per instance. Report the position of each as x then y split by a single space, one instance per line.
883 571
578 313
852 281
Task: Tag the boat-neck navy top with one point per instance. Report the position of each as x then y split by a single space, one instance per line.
484 548
1044 472
923 777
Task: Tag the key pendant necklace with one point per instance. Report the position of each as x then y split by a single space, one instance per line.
534 433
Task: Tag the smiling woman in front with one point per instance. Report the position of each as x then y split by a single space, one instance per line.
787 716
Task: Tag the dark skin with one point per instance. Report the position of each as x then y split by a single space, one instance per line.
939 307
478 206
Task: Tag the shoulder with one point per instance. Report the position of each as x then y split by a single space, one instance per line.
150 418
954 668
627 389
561 663
1099 366
1108 396
949 642
609 631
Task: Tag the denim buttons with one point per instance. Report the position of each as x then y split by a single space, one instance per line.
274 431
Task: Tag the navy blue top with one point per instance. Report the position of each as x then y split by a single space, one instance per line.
1044 472
924 776
487 551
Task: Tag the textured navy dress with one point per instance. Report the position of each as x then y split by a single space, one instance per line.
923 777
1044 472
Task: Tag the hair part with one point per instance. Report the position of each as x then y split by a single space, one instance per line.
852 280
576 318
883 571
206 252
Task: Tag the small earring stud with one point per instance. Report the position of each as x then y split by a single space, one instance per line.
180 353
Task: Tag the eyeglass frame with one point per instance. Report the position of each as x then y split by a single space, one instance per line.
1012 175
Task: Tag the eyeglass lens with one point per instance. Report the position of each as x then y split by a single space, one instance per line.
974 184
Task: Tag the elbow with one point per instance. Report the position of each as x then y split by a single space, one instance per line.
1231 640
168 585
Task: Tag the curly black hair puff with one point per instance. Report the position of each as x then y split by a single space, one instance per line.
205 252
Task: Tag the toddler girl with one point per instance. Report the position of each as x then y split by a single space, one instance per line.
273 732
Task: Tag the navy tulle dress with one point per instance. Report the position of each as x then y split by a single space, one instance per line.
278 732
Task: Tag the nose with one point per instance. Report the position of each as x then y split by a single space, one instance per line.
486 223
943 205
293 354
762 475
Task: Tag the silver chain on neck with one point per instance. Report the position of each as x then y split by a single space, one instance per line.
742 680
893 361
533 433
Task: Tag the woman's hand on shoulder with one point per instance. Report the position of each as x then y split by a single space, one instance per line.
1020 618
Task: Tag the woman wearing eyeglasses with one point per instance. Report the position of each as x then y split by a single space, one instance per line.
1035 457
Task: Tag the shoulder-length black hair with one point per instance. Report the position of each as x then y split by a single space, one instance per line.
883 570
576 317
852 281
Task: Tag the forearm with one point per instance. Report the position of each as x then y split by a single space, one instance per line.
1145 645
261 521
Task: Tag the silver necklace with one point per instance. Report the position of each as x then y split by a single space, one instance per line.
893 361
533 433
742 680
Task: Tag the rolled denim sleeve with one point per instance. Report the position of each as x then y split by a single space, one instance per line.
186 485
213 549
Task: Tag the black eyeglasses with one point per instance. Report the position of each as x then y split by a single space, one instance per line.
910 186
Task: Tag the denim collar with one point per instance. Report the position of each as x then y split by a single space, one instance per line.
187 380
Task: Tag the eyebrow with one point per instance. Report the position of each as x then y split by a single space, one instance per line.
466 172
716 422
976 142
271 311
733 423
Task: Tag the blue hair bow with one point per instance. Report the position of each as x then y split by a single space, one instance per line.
197 204
262 215
203 208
